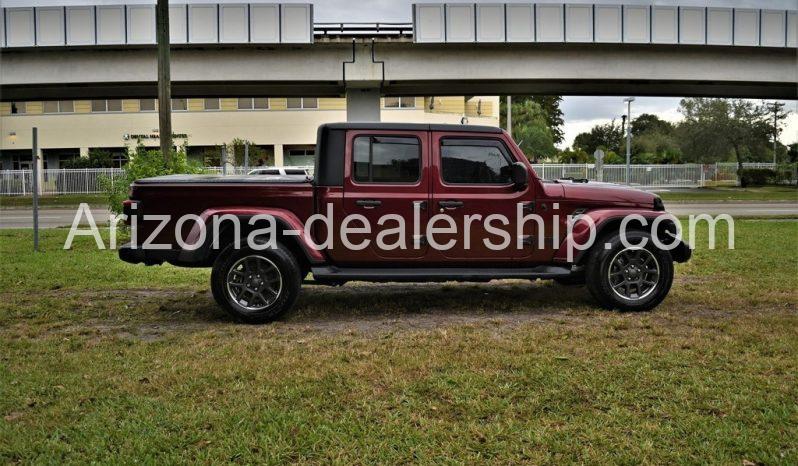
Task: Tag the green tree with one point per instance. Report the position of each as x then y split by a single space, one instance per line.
647 123
549 105
607 137
531 131
723 129
574 156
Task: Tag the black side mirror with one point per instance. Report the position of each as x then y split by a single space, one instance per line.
519 175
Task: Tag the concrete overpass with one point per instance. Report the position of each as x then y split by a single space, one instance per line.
457 52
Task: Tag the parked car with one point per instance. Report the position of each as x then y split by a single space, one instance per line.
415 176
284 171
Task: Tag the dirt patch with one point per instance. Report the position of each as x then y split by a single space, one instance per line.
356 308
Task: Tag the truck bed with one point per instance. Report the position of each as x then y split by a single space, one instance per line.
177 195
214 179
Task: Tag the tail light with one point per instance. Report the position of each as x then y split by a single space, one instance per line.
130 207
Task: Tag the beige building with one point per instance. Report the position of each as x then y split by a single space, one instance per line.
283 129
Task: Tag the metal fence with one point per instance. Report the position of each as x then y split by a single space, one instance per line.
89 180
57 181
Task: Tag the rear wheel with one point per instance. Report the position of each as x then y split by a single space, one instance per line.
629 277
256 286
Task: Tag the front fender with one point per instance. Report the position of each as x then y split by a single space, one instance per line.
287 223
603 220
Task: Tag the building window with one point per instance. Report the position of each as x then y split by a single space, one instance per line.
299 156
147 105
302 102
59 106
400 102
253 103
18 108
378 159
119 160
179 105
109 105
211 104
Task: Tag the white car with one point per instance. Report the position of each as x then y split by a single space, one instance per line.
280 171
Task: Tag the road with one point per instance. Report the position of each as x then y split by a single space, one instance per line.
48 218
735 209
52 218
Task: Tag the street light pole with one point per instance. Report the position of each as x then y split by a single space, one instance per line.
628 101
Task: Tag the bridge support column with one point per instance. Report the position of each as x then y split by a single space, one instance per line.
363 104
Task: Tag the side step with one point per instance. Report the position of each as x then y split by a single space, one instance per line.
437 274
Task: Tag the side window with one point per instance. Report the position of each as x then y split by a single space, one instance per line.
386 159
465 161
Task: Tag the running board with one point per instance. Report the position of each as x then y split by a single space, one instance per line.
438 274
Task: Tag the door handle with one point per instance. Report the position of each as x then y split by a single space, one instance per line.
450 204
368 203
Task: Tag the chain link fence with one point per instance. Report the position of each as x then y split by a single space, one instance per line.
87 180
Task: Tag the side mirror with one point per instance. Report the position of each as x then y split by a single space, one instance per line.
519 175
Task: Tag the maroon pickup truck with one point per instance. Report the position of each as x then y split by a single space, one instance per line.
405 202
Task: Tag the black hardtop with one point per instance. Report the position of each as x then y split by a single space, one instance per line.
414 127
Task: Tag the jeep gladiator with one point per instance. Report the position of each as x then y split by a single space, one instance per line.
400 180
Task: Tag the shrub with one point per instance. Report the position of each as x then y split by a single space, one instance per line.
756 176
98 158
145 163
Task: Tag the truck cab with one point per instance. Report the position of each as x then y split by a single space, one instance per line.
408 202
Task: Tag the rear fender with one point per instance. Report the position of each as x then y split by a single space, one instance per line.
288 225
604 221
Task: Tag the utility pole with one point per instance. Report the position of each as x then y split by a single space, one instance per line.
510 115
35 173
628 101
164 80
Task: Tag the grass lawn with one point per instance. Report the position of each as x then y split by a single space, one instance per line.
763 193
64 200
102 361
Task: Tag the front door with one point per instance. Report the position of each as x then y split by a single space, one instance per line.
471 183
386 182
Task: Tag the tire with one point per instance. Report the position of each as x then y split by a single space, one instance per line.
256 286
629 279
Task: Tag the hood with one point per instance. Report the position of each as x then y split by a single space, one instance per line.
603 194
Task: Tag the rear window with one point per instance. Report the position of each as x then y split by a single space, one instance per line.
294 171
386 159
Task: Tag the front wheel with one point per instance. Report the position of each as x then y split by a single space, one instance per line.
629 277
256 286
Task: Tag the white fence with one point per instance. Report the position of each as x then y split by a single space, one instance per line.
56 181
88 180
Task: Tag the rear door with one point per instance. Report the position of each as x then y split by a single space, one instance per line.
386 180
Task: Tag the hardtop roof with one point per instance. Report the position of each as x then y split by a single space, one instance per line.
415 127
